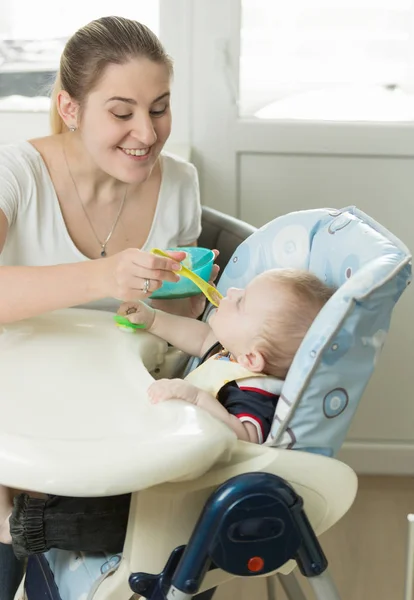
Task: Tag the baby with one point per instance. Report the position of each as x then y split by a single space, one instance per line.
247 348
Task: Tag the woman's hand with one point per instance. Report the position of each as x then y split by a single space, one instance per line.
138 313
134 274
216 268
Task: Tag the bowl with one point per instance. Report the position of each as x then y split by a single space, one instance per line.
200 261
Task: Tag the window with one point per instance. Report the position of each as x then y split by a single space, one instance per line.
32 37
327 59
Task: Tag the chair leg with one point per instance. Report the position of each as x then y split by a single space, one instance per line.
409 568
324 587
291 587
271 588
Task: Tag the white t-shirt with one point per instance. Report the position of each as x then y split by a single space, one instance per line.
37 233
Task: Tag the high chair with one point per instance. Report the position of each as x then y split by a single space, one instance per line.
209 507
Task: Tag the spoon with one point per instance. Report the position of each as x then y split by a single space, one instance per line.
211 293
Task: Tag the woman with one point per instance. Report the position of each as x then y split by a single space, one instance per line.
97 188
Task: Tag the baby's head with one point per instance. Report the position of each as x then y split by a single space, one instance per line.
264 324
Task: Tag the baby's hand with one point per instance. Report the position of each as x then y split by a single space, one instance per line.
138 312
172 389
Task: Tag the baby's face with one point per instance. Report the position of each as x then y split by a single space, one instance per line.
241 313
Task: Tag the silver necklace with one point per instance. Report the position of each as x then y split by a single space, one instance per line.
115 223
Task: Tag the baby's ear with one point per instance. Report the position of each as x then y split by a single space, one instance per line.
253 361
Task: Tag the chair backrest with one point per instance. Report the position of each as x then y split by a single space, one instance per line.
371 268
223 233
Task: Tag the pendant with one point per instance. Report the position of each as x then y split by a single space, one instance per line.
103 253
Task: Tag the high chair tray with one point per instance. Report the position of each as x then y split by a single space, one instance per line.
75 418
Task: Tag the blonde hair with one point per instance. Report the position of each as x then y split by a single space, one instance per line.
109 40
283 331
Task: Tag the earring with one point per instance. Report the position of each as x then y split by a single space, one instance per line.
72 128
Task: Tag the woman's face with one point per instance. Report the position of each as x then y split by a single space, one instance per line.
126 119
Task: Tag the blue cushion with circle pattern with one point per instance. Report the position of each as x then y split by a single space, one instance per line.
371 268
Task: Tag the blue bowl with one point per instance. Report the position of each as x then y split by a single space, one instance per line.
202 261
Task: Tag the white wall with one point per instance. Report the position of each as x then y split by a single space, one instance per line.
18 126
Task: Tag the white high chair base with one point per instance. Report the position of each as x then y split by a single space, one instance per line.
251 515
327 486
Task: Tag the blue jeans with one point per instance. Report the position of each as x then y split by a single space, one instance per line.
11 572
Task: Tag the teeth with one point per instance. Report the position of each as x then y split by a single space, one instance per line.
141 152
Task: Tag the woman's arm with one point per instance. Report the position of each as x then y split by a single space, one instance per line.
29 291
